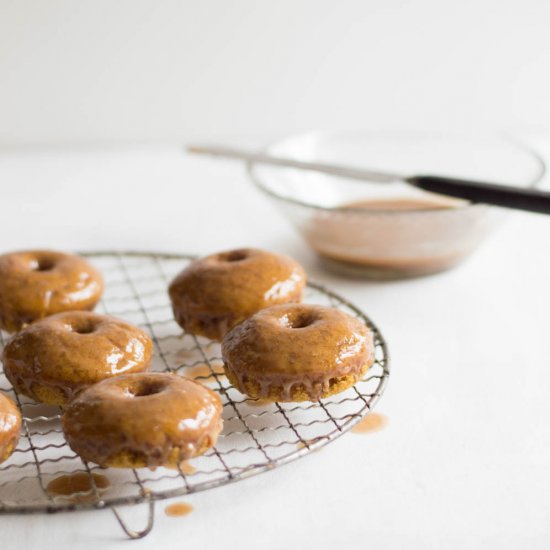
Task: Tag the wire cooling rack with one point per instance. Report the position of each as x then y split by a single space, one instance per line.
256 437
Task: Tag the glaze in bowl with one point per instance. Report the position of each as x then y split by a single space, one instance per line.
381 230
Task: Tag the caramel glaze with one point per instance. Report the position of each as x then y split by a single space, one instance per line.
373 422
178 509
38 283
187 468
10 424
54 359
205 371
259 403
403 203
307 443
215 293
79 487
385 241
143 420
184 467
297 352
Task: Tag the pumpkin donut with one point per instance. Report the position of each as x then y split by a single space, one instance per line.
38 283
10 424
54 359
143 420
215 293
297 352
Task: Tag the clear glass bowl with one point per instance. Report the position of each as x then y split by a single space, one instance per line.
392 230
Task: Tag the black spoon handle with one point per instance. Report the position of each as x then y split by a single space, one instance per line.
531 200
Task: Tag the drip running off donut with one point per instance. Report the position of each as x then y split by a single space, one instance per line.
215 293
297 352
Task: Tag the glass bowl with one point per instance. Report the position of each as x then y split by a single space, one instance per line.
392 230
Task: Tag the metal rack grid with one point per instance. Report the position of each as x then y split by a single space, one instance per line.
256 436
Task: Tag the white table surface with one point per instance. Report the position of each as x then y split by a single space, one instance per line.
464 462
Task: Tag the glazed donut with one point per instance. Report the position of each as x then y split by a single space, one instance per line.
10 424
297 352
215 293
54 359
143 420
38 283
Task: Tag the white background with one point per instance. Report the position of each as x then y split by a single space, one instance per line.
97 70
464 460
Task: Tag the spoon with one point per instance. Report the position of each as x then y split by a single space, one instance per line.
531 200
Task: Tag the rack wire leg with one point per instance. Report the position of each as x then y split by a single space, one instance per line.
144 532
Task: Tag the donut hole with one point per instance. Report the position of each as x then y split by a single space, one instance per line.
147 388
300 320
234 256
84 327
42 264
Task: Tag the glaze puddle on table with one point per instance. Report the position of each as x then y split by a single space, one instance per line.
204 371
72 485
373 422
178 509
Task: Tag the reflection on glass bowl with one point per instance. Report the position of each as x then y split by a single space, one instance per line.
392 230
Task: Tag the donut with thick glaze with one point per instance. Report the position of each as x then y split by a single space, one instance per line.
54 359
143 420
297 352
38 283
215 293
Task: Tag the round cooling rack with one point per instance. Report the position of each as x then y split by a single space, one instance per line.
256 437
